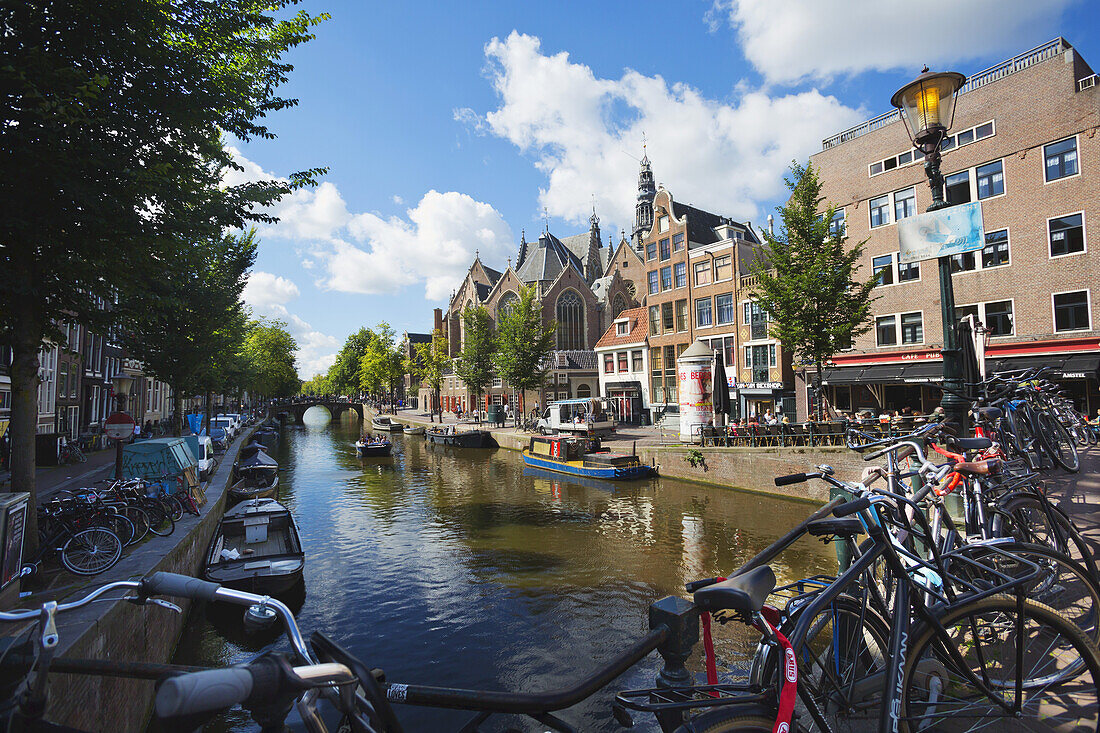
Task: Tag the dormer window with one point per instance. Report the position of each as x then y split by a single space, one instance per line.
662 224
622 328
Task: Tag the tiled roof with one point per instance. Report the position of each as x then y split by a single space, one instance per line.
639 321
701 224
573 359
493 275
547 259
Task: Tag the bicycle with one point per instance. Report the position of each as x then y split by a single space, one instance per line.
70 453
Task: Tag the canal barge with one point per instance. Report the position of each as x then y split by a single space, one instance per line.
256 548
459 439
373 448
584 457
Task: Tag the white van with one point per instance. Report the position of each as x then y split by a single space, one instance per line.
227 424
205 457
580 416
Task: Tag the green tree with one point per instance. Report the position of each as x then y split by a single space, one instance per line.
188 326
524 344
380 369
317 385
270 349
474 364
343 375
112 127
807 279
433 363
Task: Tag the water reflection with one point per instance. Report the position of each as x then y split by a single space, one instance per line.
464 569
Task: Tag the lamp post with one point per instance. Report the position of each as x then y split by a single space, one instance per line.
122 392
927 106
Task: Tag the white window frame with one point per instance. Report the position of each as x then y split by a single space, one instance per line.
897 329
897 270
1008 230
889 210
894 201
985 319
622 328
1084 236
662 227
893 270
1076 144
1088 303
1004 181
913 161
843 222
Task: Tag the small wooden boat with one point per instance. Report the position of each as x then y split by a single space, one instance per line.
256 548
460 439
413 430
384 424
373 448
267 436
256 476
583 457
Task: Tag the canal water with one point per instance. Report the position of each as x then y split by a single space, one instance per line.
462 569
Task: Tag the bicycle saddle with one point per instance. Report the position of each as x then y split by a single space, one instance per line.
840 526
990 413
968 444
746 592
978 468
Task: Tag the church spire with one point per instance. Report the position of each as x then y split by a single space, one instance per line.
522 248
643 209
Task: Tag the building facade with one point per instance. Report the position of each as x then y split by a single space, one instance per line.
1024 144
622 354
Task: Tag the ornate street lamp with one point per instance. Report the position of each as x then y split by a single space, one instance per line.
927 106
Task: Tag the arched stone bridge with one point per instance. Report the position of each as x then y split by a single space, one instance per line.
298 408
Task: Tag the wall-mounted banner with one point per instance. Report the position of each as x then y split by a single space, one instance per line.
941 233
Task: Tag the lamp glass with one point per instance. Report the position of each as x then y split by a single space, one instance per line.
122 384
928 102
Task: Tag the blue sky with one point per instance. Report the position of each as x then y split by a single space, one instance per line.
451 127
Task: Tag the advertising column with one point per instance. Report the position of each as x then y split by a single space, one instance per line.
694 377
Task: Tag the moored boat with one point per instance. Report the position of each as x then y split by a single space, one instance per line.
383 423
256 548
413 430
373 447
460 439
256 476
582 457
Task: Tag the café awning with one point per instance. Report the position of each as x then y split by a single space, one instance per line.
921 372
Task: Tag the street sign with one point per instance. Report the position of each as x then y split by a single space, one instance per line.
119 426
941 233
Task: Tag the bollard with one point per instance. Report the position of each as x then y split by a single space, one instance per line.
682 619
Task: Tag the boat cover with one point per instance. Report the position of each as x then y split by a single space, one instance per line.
258 460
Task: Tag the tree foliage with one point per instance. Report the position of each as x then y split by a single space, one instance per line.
318 384
343 375
807 278
188 326
524 344
432 362
112 129
380 369
270 350
474 364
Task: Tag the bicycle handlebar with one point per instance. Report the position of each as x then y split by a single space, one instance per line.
34 613
201 692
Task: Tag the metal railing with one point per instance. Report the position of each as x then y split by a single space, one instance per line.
1005 68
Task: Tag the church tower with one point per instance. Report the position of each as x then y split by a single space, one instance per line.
643 209
593 266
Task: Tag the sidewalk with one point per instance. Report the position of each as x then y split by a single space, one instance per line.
51 479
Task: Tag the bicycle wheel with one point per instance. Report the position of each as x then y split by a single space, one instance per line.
1061 582
118 524
91 551
1034 520
841 664
727 719
139 519
1057 442
1023 435
173 507
1020 651
160 518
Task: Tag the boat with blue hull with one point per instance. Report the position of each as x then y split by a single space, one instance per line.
584 458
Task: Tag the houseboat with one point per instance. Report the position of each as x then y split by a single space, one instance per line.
583 457
451 436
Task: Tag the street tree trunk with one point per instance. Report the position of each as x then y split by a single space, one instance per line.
817 392
26 343
177 410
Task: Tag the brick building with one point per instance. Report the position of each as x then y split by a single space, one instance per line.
698 288
1024 144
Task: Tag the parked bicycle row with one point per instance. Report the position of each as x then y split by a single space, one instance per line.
965 600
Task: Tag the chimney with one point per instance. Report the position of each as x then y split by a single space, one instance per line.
438 320
771 225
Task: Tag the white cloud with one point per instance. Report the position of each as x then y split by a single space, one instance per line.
316 350
726 157
265 290
364 253
791 40
398 200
